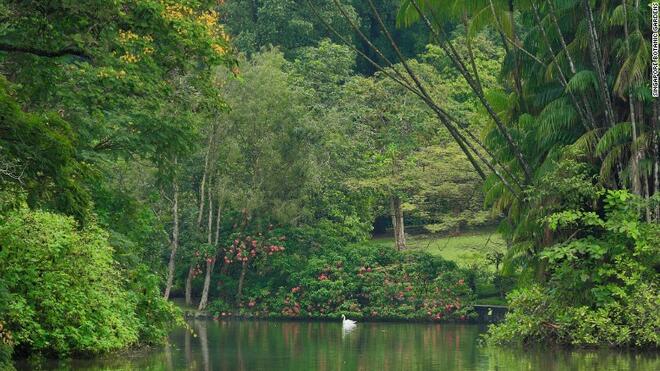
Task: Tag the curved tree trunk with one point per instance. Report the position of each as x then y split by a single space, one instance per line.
207 283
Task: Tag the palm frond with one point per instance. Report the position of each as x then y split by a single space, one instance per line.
613 158
582 82
616 135
556 123
587 142
633 70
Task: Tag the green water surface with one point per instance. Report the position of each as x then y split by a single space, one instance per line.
275 345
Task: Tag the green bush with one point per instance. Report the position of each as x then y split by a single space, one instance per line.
632 321
374 282
536 315
155 316
602 288
66 294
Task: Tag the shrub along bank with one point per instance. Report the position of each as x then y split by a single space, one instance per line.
601 287
62 292
360 281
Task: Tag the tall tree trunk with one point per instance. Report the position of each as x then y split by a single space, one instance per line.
597 59
244 263
517 84
207 164
217 224
635 154
203 301
200 214
647 197
516 71
223 269
241 279
393 217
204 175
468 43
210 261
175 239
210 264
189 278
398 225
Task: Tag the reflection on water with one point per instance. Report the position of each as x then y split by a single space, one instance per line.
346 330
263 345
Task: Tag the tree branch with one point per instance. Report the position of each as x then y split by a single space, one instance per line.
44 53
455 58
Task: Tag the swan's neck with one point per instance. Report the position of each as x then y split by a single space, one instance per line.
343 317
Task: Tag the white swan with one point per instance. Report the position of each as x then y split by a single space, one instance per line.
347 323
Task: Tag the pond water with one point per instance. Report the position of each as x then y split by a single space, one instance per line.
275 345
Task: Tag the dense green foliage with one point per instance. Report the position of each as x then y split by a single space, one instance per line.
65 293
39 151
602 288
570 129
294 25
146 154
84 90
374 282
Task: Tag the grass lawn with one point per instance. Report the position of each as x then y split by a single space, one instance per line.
458 249
455 248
